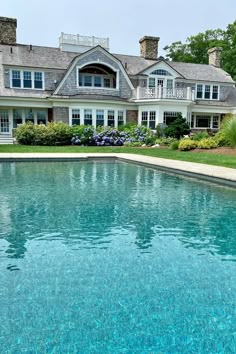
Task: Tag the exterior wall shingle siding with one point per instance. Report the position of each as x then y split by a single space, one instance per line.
61 114
70 86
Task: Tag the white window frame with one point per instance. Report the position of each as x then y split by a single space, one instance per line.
22 79
212 116
148 115
94 111
117 73
33 111
204 85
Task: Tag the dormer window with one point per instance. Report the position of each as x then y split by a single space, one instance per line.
98 76
26 79
207 92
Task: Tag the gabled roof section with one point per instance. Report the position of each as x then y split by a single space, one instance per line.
81 56
158 63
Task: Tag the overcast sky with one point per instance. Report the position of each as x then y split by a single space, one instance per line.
124 22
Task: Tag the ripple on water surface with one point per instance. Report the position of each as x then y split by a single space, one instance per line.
115 258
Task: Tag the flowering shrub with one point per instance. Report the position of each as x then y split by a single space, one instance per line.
131 135
62 134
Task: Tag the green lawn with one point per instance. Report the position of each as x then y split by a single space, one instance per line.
203 157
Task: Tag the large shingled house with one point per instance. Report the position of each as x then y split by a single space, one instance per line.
81 82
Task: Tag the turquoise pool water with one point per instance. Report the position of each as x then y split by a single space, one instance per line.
115 258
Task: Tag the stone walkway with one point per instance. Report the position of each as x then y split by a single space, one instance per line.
217 174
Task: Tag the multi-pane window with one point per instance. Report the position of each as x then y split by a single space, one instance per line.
92 80
38 80
215 122
41 117
29 116
169 117
107 82
110 118
88 117
4 122
99 117
169 84
161 72
26 79
152 119
148 119
215 92
17 117
144 118
97 81
207 92
199 91
87 80
16 78
152 82
203 121
75 117
120 117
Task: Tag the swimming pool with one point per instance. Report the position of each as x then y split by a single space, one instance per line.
115 258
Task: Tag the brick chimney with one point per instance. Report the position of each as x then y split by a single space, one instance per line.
215 56
149 47
8 30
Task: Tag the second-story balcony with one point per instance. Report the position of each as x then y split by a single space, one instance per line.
160 92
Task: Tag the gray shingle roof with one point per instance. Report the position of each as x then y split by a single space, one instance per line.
201 72
47 57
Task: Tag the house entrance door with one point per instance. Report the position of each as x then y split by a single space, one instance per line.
4 122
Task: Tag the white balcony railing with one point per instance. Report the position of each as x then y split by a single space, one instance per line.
163 93
88 41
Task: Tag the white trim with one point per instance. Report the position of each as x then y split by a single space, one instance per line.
77 59
22 79
162 65
94 110
204 114
204 91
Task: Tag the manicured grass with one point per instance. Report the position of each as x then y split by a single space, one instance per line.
206 158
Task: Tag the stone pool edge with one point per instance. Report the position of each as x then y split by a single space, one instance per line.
216 174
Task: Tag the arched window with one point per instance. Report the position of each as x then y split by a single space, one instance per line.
97 75
161 72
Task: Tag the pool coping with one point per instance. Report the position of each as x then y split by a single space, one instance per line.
216 174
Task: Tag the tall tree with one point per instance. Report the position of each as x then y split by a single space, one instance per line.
196 47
